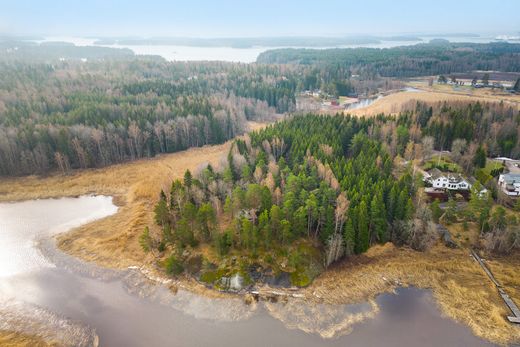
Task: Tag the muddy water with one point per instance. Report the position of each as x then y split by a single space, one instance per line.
56 296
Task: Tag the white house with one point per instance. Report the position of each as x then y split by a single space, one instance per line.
448 181
510 184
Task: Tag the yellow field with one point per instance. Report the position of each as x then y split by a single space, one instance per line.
394 103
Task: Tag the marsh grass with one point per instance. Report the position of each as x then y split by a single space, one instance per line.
15 339
461 289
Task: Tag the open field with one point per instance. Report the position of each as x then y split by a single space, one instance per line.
462 290
394 103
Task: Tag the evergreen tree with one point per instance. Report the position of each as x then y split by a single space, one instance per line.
350 237
363 231
479 160
450 214
161 216
436 210
145 240
378 226
206 220
188 178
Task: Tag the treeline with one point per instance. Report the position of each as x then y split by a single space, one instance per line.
406 61
315 178
495 126
13 50
78 115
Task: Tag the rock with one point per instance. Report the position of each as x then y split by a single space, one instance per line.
174 289
249 299
446 236
282 280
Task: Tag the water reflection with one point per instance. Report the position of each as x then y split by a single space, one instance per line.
126 309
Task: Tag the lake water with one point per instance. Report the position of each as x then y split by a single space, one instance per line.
243 55
44 291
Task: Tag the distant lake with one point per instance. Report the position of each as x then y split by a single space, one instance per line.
242 55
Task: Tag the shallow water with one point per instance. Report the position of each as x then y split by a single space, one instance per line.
362 103
126 310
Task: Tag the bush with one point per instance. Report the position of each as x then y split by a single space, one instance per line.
173 266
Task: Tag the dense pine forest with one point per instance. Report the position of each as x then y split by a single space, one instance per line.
407 61
312 189
291 190
63 114
77 115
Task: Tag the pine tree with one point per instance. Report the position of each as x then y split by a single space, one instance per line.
161 216
450 214
409 210
188 178
479 160
275 218
228 207
206 220
350 237
378 227
436 210
363 231
145 240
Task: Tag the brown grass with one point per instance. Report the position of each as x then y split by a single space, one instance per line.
393 103
15 339
459 285
112 241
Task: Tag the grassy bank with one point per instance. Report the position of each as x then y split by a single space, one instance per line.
461 289
15 339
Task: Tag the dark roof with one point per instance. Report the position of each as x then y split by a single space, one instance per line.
435 173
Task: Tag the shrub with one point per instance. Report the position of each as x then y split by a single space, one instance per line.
173 266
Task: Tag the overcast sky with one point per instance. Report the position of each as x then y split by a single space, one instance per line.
213 18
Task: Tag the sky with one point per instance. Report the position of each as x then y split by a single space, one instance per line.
225 18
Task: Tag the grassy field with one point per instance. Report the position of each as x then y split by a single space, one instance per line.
394 103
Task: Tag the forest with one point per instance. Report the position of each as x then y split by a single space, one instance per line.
305 192
64 114
300 186
434 58
70 115
20 50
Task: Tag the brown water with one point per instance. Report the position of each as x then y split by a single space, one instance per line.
55 295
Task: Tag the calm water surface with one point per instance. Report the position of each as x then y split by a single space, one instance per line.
243 55
126 310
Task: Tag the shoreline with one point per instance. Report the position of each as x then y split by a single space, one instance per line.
458 285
